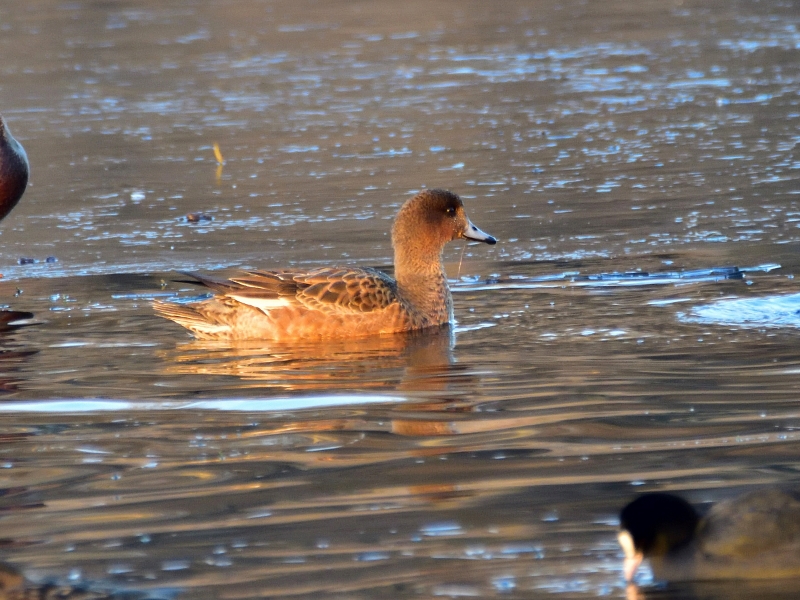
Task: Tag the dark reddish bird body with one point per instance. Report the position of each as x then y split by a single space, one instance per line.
14 170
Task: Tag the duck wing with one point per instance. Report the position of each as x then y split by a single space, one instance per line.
332 290
760 522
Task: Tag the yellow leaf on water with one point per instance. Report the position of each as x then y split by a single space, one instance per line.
218 154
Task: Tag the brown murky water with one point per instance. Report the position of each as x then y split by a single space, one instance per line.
627 155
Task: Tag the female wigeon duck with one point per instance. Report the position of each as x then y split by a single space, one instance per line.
342 302
754 536
14 170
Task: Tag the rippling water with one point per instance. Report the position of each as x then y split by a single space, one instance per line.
634 329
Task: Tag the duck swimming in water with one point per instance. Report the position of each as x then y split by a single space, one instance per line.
754 536
342 302
14 170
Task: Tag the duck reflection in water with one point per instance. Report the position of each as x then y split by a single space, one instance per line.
413 361
438 394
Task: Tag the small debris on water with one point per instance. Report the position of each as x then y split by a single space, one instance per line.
198 217
218 154
27 260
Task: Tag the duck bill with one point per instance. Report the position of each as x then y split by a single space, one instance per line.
473 233
633 557
630 566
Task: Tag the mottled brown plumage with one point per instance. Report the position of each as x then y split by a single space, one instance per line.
338 302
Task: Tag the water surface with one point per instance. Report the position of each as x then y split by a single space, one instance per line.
635 328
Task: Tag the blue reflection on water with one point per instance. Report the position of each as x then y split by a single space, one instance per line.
767 311
227 405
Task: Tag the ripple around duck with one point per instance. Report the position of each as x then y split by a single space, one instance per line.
638 278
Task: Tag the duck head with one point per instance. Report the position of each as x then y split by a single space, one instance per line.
653 526
429 220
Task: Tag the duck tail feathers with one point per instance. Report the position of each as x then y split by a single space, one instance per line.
191 319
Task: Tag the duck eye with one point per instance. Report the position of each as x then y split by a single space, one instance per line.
451 212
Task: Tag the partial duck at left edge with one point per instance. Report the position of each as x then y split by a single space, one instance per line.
14 170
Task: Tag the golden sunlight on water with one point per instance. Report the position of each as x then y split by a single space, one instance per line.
634 329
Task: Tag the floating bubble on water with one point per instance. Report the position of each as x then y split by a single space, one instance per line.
473 551
514 549
119 569
372 556
175 565
441 529
504 583
457 591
